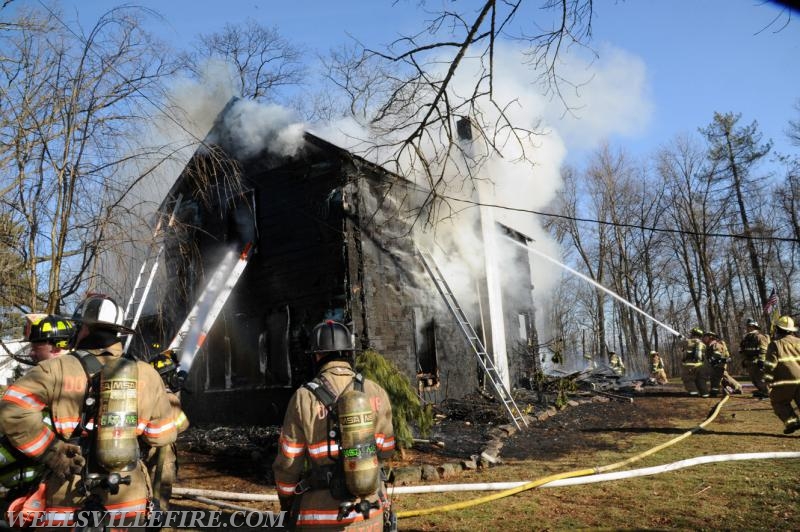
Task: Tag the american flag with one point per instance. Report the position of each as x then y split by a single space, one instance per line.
771 302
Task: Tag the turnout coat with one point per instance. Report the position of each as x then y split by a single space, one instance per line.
304 444
60 385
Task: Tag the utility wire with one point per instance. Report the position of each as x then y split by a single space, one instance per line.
619 224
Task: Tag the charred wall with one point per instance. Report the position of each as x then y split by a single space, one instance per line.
395 305
296 277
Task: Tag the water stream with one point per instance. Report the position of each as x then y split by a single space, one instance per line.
595 283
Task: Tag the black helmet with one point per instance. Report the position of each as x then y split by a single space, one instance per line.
49 328
752 323
330 336
101 312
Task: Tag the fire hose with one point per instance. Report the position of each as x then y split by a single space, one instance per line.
561 476
572 478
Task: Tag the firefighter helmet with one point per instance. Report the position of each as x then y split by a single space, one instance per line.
102 312
49 328
330 336
696 332
653 353
785 323
752 323
710 333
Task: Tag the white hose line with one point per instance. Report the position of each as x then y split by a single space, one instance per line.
665 468
497 486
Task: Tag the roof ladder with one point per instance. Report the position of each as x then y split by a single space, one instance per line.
133 310
472 338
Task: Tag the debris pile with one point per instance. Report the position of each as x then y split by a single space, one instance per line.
230 441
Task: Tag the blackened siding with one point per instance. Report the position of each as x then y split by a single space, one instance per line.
393 284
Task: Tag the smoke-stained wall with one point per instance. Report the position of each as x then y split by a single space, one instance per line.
333 239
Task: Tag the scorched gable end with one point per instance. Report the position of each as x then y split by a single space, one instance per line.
328 243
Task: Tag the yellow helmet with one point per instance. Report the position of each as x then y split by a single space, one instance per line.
786 323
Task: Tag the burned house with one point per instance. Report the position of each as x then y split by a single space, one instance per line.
328 235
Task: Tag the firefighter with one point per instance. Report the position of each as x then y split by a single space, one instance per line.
49 335
753 348
657 373
782 373
313 483
717 358
92 453
693 374
162 462
615 363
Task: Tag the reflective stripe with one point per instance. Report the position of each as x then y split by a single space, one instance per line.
58 515
290 449
285 488
155 430
25 399
64 515
128 508
39 444
789 358
383 442
313 517
63 425
320 450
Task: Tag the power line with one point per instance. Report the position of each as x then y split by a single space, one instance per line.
619 224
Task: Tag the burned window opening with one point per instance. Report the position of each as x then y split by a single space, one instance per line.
425 347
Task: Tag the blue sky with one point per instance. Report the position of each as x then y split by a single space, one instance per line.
689 58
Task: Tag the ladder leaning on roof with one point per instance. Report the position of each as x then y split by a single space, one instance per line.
192 334
133 310
472 338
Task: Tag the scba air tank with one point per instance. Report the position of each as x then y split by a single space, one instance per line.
117 448
358 450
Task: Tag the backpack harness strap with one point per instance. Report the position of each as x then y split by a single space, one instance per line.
91 367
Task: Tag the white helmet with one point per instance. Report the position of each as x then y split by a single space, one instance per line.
99 311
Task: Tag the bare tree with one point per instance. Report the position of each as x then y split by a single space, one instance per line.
735 151
793 130
70 105
406 96
263 60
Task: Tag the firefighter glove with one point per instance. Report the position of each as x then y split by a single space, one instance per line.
63 459
760 364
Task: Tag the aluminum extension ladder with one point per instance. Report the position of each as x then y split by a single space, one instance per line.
472 338
192 333
133 310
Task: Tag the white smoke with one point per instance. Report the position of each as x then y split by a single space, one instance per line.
248 128
610 96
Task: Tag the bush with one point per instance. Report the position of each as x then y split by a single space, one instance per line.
407 410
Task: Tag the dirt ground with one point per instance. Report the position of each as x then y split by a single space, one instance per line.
240 459
749 495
